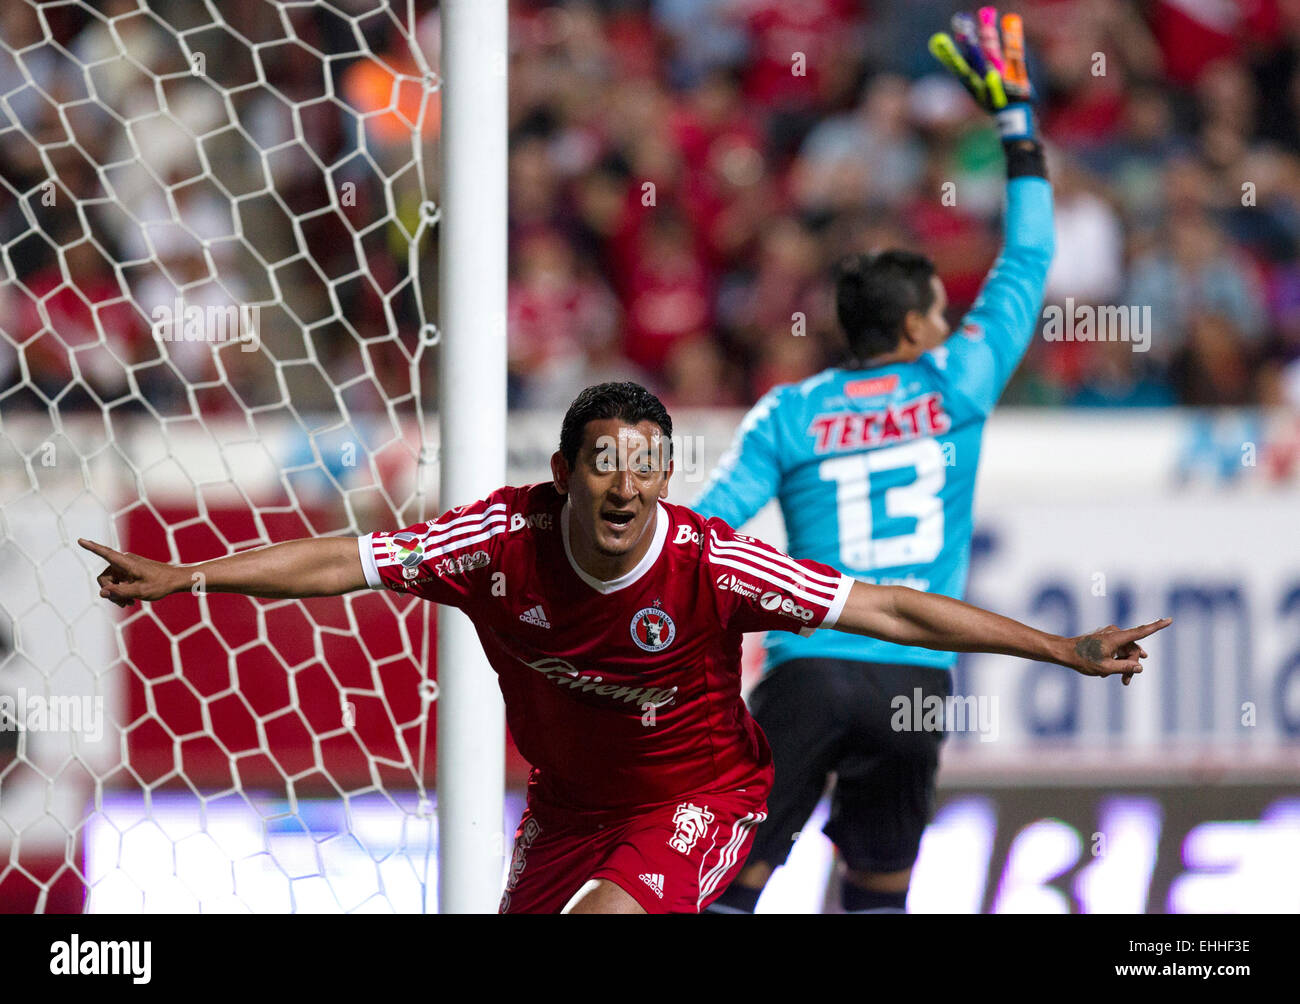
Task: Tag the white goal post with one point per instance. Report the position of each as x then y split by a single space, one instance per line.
472 392
218 230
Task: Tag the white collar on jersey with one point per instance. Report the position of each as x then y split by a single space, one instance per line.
627 578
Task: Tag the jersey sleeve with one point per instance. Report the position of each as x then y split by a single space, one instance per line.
446 560
985 351
760 588
749 473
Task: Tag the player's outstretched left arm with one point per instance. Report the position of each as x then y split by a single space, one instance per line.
929 620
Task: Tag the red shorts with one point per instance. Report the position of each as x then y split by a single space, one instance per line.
676 858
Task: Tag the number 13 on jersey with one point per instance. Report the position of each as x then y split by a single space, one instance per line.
919 499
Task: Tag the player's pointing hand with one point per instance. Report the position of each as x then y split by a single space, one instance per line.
130 577
1111 650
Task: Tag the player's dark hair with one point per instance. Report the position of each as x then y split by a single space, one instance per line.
628 402
873 294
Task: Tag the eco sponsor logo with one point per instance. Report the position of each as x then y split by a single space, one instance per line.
776 602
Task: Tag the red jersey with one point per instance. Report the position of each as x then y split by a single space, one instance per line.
621 694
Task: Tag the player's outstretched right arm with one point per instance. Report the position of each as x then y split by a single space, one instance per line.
314 566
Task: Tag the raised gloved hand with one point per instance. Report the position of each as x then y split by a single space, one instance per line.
991 69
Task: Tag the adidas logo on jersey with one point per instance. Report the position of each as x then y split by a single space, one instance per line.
655 882
536 616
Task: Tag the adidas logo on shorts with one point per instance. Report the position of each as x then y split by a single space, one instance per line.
536 616
655 882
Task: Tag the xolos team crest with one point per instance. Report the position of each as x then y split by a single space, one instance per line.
652 629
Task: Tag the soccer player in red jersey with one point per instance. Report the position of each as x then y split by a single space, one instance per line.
613 620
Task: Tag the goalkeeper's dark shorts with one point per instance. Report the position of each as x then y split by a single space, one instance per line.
825 716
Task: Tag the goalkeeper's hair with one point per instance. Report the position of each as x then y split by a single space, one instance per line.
873 294
629 402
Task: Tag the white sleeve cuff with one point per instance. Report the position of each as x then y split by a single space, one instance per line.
837 606
366 545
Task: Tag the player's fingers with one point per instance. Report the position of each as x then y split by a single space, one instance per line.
1133 634
988 32
945 51
107 553
1128 678
993 85
1109 667
117 591
1014 72
966 35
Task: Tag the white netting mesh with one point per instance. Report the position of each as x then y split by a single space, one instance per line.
174 173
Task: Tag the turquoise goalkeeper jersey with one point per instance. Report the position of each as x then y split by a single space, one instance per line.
875 468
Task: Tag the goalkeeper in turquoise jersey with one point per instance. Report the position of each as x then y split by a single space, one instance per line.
874 466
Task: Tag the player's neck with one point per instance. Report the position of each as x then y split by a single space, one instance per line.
608 567
902 354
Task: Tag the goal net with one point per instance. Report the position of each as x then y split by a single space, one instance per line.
218 230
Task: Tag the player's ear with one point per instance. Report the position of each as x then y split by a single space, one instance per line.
560 472
913 325
668 473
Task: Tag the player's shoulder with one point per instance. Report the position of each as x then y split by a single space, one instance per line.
857 387
524 500
784 408
784 397
698 533
501 513
533 507
689 531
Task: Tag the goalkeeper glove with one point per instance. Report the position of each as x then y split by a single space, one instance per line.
992 70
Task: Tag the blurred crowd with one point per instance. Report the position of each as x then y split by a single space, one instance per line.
683 175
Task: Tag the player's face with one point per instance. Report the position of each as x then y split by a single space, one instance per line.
620 473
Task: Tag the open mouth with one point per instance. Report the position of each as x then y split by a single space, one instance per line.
615 518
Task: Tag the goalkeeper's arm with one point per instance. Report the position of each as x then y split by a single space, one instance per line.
1002 322
314 566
